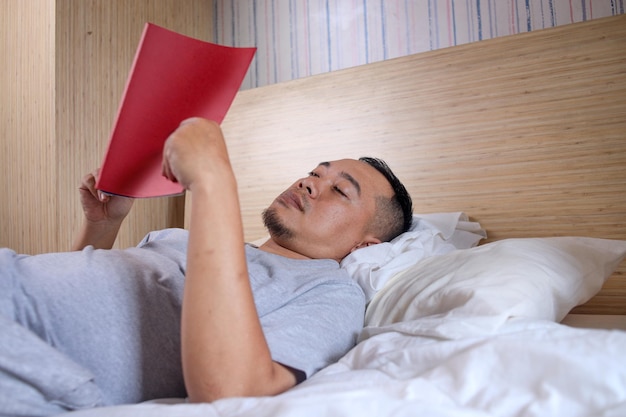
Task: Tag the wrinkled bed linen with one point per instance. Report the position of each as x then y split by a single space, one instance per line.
430 235
528 368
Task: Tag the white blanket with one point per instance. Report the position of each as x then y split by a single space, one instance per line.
527 368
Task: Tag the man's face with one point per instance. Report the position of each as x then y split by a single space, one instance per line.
327 213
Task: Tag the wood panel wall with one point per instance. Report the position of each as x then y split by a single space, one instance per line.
27 121
526 134
68 62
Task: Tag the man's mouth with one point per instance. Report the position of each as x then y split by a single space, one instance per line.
290 198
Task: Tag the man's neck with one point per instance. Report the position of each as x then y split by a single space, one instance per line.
274 247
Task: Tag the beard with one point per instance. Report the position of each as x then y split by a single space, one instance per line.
274 225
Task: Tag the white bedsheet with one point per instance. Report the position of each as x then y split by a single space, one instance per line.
527 368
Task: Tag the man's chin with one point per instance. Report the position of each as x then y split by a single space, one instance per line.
275 226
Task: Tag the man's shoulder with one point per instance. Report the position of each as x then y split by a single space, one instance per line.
276 276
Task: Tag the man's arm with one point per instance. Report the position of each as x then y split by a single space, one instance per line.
104 215
224 351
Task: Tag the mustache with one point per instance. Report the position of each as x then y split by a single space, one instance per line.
294 197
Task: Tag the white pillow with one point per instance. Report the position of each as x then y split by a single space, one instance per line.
541 278
430 234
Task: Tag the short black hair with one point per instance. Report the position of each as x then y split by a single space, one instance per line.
394 216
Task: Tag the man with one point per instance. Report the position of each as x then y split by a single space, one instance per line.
201 315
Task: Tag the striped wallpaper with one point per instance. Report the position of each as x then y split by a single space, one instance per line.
298 38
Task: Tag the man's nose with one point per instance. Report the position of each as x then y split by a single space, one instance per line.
308 184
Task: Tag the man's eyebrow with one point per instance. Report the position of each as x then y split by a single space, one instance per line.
352 180
347 176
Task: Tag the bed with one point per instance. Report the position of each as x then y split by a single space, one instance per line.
523 137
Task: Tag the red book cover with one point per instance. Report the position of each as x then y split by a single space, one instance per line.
173 77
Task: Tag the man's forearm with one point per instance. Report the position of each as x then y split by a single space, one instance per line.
100 235
224 349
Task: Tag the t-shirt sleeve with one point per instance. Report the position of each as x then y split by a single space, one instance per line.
316 328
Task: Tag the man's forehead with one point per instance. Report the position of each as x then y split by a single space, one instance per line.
342 162
351 165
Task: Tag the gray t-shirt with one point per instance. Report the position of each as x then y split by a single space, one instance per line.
117 312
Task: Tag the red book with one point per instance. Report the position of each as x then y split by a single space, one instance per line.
173 77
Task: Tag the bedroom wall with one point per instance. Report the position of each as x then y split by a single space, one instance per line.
298 38
27 151
65 66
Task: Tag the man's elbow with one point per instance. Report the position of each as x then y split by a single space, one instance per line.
213 392
210 394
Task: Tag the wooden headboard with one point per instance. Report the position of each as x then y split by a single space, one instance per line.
526 134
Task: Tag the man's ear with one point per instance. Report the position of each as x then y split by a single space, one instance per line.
368 241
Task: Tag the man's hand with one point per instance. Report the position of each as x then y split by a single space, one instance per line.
103 215
195 152
100 207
